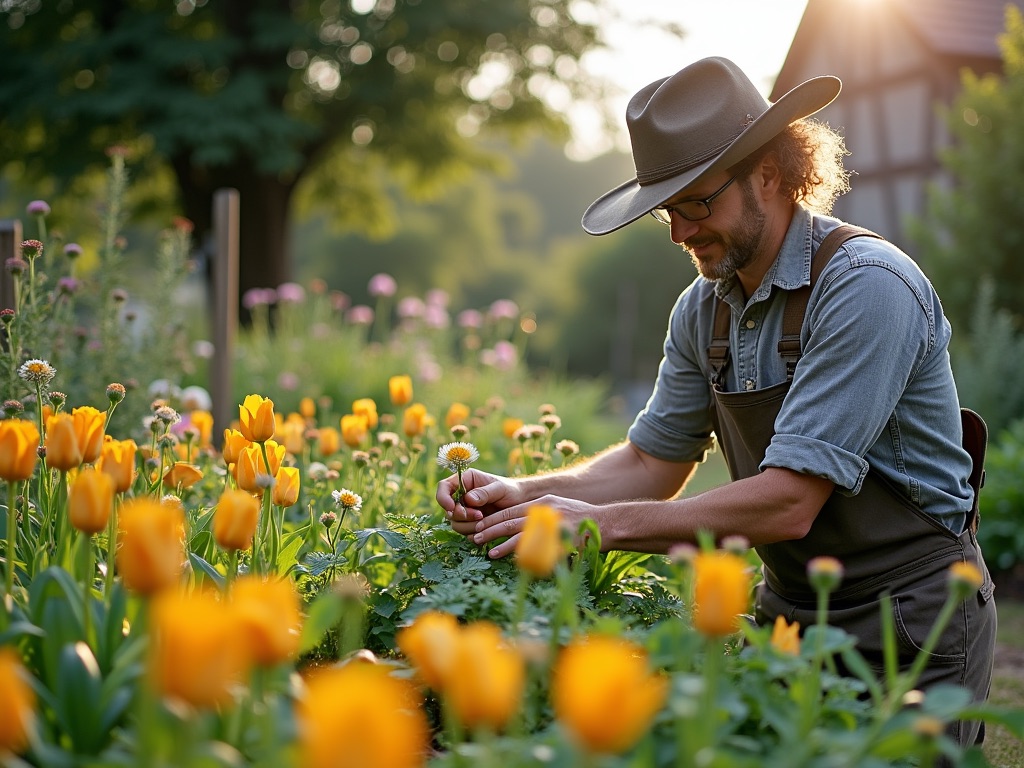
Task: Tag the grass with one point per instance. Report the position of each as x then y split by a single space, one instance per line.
1001 749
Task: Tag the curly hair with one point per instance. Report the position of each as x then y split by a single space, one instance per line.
810 155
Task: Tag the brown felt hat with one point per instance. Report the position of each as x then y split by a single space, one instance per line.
705 118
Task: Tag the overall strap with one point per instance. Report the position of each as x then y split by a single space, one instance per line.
796 301
792 319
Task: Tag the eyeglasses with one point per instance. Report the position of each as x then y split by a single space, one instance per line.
691 210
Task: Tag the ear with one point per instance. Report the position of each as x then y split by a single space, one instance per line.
767 177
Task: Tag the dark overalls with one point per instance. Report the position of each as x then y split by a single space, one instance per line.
884 542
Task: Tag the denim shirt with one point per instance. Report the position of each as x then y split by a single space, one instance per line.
873 389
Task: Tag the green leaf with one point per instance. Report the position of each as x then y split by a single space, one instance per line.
432 570
201 566
392 538
318 563
78 698
290 547
20 629
325 612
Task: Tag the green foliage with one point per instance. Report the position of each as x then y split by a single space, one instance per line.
1001 532
973 226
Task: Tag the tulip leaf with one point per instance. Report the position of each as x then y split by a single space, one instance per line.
20 629
78 698
207 570
290 549
324 614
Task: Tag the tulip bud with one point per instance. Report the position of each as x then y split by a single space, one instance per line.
90 500
235 519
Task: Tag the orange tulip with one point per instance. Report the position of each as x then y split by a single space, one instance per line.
117 459
414 420
234 442
197 653
721 592
235 519
354 428
202 424
292 434
366 407
248 469
269 616
786 637
89 426
358 715
181 474
487 688
599 675
63 451
510 426
328 441
540 546
429 643
286 488
458 413
400 389
150 552
307 407
19 439
256 418
90 500
17 704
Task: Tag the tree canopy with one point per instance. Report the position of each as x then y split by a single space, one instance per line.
261 95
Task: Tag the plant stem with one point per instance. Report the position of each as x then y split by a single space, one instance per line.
12 533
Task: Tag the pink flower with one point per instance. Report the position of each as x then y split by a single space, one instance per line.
504 308
257 297
382 284
340 301
437 297
436 316
38 208
288 381
72 250
410 306
360 315
291 293
470 318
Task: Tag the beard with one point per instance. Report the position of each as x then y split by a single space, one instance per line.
740 248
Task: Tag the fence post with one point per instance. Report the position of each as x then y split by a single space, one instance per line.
225 308
10 246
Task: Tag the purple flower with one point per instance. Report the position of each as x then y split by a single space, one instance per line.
67 286
38 208
504 308
288 381
382 284
72 250
360 315
436 316
16 266
258 297
31 248
291 293
470 318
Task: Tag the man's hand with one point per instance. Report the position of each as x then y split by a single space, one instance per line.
509 522
485 495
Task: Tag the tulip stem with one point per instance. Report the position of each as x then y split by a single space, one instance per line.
12 533
229 577
87 577
108 583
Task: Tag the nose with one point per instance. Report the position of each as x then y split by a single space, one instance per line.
682 229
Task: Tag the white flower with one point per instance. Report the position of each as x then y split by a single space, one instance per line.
456 457
37 371
347 499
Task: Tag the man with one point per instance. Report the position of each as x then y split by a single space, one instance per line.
841 424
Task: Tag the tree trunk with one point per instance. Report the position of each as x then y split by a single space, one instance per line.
265 259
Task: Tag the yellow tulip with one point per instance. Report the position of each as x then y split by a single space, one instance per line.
117 459
307 407
90 500
604 694
235 519
458 413
487 687
365 406
202 423
269 618
510 426
248 467
276 454
429 644
328 441
721 592
357 716
234 442
292 434
414 420
786 637
540 546
150 550
400 389
89 426
354 427
197 654
17 704
286 488
63 451
256 418
19 441
181 474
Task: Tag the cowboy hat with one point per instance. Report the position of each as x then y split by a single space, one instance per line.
705 118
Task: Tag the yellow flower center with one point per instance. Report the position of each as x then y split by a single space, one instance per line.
459 453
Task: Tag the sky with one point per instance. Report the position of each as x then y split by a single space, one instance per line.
755 34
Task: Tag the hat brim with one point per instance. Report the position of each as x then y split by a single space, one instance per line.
630 201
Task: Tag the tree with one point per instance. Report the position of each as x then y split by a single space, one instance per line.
974 228
267 95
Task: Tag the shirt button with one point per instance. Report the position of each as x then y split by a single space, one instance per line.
749 384
750 324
